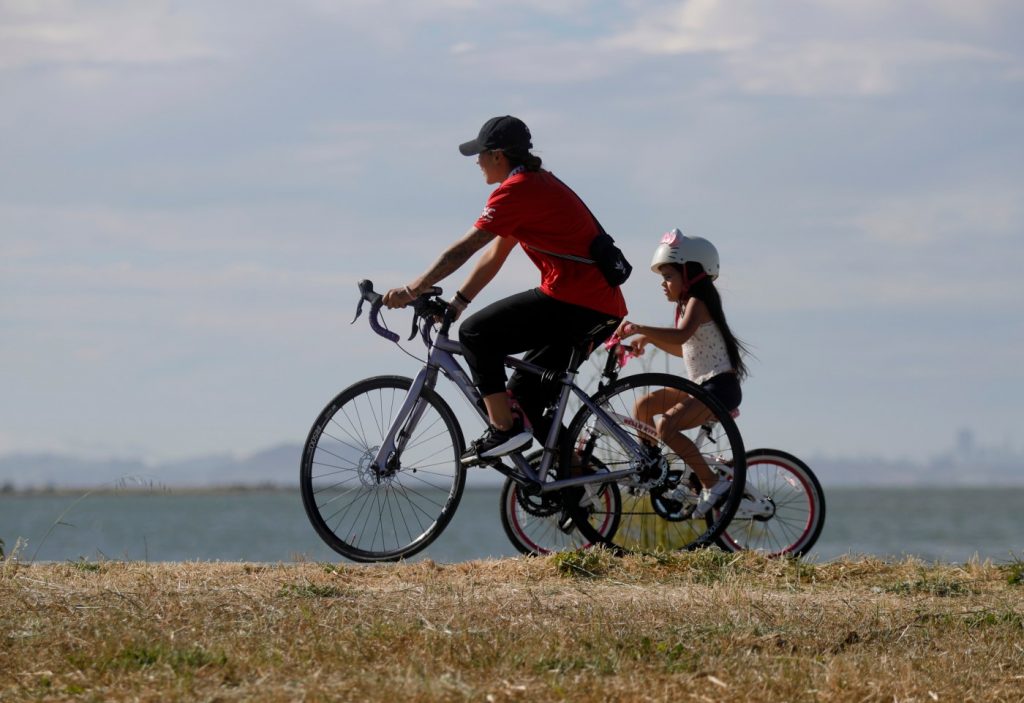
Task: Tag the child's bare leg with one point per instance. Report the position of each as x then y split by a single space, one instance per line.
657 403
683 416
678 412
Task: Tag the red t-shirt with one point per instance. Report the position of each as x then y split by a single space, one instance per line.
536 208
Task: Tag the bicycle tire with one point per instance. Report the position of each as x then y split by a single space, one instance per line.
540 526
798 507
655 512
362 515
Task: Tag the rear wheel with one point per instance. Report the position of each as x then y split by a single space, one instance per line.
790 513
538 524
369 513
658 501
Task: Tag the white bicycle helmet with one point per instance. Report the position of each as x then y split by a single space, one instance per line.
678 248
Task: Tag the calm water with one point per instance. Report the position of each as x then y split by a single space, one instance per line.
951 525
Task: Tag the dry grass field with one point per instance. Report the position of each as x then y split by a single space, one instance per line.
588 626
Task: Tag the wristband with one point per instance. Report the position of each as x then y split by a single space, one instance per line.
408 292
461 297
629 329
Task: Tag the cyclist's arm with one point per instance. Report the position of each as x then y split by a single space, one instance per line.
673 349
487 266
452 258
670 339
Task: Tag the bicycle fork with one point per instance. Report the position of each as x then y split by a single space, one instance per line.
386 461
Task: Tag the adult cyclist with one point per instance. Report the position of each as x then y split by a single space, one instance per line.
573 307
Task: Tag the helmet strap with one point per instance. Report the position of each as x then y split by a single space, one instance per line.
689 282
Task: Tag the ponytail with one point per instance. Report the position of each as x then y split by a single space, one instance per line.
705 291
522 157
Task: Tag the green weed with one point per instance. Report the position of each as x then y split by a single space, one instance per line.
141 656
1014 572
87 566
586 563
311 590
938 586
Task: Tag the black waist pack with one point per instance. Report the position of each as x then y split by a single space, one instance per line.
610 259
604 254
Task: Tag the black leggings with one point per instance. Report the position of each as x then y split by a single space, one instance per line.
548 328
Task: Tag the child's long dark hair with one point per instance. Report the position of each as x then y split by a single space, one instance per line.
705 291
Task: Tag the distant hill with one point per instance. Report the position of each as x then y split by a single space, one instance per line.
966 464
278 466
869 471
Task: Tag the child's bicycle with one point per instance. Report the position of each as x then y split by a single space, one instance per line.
781 514
382 470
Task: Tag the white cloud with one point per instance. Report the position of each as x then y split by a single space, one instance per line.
943 217
68 32
691 27
837 49
865 67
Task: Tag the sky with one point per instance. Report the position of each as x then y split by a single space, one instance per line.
189 192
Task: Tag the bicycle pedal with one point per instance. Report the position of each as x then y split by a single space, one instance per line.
483 463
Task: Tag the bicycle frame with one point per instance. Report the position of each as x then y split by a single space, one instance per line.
441 357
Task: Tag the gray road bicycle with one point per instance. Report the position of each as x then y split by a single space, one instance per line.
381 473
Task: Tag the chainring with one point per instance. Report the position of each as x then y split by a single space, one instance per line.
538 504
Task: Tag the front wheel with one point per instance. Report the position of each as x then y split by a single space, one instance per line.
661 496
793 512
370 513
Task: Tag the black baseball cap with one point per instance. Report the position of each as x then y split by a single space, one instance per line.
506 132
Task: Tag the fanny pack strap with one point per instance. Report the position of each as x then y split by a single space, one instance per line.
571 257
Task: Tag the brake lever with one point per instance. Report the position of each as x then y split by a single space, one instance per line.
364 288
359 311
415 326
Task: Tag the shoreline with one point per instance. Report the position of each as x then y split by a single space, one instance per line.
218 489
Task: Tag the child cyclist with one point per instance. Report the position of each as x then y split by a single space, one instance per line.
688 267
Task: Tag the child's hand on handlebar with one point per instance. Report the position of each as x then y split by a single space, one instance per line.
626 329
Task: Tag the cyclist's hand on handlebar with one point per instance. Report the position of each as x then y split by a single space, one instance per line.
399 297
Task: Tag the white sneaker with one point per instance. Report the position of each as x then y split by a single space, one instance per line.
710 497
590 496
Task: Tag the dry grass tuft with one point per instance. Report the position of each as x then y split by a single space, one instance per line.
580 626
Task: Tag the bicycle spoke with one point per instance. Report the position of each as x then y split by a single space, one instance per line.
370 513
654 508
797 504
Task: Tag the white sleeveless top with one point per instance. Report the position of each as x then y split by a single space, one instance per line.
705 353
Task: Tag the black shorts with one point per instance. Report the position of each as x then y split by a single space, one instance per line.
725 387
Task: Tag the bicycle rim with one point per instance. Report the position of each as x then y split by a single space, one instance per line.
368 515
798 507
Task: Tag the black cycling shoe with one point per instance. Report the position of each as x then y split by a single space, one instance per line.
495 443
